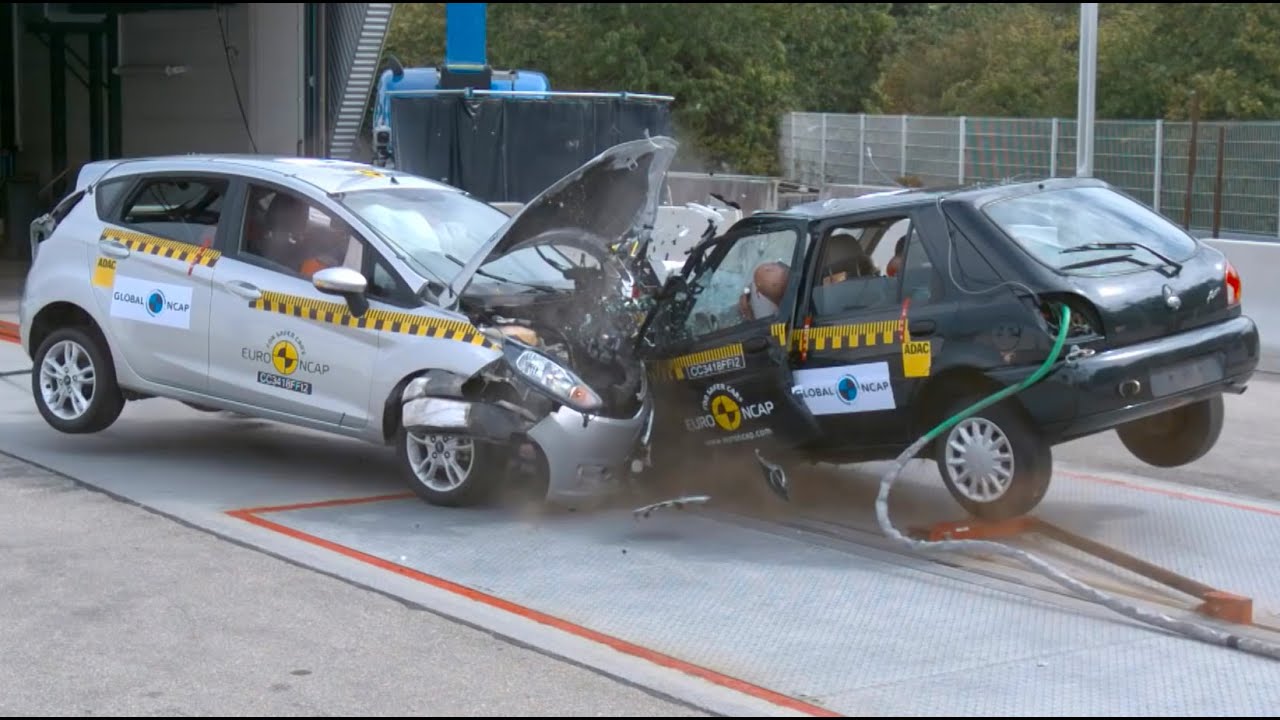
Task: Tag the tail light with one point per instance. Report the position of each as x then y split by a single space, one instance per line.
1232 281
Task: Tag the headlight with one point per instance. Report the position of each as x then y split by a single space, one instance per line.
550 376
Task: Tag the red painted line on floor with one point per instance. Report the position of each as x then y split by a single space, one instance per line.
322 504
253 517
9 332
1172 493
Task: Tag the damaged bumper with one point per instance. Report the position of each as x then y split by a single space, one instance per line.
583 456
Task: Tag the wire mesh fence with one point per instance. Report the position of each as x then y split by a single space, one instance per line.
1148 159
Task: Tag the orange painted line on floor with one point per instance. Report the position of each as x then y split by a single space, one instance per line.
9 332
657 658
322 504
1172 493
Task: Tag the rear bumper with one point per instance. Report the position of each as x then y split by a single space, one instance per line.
1114 387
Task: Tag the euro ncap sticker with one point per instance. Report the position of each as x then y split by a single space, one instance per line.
283 354
152 303
725 410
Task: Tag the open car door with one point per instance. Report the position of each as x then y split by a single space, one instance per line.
720 363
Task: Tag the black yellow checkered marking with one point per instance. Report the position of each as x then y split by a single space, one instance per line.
841 337
824 339
677 368
333 313
185 253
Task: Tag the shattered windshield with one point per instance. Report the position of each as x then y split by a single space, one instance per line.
438 231
1093 228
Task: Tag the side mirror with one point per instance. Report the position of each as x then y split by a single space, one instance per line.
346 282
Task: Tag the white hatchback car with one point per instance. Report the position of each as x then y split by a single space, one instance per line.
361 301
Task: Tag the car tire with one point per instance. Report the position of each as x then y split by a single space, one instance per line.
466 473
73 382
1175 437
1013 461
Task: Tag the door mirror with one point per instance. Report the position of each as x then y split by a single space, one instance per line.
345 282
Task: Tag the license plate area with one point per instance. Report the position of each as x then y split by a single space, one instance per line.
1188 375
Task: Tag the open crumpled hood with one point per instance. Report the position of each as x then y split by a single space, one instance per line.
613 196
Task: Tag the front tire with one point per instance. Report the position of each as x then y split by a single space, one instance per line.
994 463
1175 437
74 382
449 469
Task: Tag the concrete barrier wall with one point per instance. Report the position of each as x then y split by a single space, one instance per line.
1259 265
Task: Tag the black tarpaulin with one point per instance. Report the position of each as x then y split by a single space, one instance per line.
511 149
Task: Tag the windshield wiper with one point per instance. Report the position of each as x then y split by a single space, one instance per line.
1106 261
1177 267
491 276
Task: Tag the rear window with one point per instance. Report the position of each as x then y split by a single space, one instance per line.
1059 226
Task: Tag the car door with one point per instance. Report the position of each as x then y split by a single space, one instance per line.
275 341
721 360
869 333
152 269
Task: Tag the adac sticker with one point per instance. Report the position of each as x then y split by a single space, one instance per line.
104 272
917 356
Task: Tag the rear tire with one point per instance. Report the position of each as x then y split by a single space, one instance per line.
994 463
1176 437
73 382
450 469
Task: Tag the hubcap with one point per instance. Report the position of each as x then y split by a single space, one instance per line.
67 380
979 460
441 462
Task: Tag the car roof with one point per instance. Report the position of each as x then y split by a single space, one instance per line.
327 175
975 194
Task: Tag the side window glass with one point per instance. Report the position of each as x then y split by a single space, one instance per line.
182 209
747 284
106 194
295 236
848 279
920 280
383 284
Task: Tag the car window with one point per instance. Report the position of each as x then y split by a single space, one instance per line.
718 299
291 234
846 278
182 209
1056 225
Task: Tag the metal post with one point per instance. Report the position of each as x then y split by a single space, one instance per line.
1159 173
1087 81
57 110
795 151
1053 148
862 145
115 121
96 89
823 177
963 125
902 161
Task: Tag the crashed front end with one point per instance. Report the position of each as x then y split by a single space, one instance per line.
563 288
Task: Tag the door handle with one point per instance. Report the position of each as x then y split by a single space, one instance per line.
921 328
244 289
756 344
114 248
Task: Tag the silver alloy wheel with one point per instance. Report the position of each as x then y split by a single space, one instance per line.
979 460
441 462
67 380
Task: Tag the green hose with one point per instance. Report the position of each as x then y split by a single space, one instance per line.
1012 390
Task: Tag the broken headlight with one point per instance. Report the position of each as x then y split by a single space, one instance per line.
555 379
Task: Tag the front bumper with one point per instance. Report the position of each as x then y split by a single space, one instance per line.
1105 390
585 456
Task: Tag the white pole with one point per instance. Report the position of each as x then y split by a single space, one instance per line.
1159 169
1087 81
961 155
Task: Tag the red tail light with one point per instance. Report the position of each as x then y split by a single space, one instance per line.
1232 281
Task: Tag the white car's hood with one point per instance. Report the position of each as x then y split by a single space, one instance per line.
613 197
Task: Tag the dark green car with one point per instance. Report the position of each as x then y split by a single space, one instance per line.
842 330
